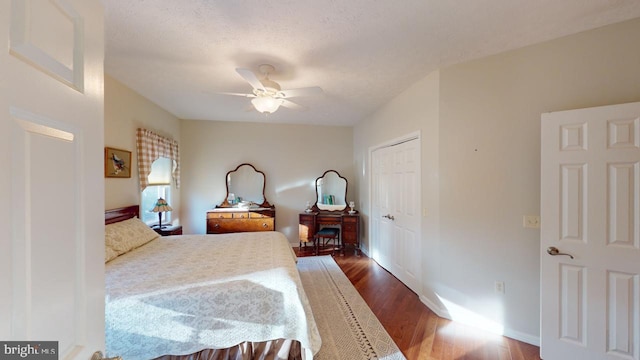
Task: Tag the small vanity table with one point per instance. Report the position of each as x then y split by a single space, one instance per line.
330 209
245 208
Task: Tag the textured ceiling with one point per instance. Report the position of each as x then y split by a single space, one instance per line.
182 54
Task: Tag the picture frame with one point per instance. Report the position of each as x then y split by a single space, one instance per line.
117 163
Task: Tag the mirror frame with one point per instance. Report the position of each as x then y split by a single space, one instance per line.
315 207
225 202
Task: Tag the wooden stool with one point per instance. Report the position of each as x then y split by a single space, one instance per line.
326 235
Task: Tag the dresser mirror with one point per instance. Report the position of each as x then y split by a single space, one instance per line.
245 187
331 190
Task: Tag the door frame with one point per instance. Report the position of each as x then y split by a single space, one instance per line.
416 135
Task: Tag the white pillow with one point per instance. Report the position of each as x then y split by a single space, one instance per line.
109 254
127 235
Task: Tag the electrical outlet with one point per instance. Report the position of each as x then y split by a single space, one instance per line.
425 213
499 287
531 221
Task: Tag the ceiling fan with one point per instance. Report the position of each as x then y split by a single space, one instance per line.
267 94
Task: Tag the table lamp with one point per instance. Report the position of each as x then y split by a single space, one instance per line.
161 206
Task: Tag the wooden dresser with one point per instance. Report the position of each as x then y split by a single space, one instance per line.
230 220
245 208
311 223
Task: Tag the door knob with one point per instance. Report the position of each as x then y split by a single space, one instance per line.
389 216
554 251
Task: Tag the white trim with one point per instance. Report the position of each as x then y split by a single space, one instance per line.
399 140
517 335
441 312
507 332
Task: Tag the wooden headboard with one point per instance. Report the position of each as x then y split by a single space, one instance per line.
120 214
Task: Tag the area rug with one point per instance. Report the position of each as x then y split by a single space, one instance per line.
348 327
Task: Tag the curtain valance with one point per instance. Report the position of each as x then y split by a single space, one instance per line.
152 146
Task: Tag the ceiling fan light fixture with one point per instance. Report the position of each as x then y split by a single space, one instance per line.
266 104
267 95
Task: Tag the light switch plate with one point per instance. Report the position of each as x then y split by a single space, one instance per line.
531 221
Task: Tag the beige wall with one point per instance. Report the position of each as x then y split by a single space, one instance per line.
415 110
291 156
124 112
488 168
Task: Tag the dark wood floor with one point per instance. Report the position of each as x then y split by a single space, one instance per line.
418 332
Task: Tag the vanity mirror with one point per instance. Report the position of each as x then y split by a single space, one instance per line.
330 210
245 186
331 191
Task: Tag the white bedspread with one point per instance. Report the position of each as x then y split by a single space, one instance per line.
180 294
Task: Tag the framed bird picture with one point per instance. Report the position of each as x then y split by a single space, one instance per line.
117 163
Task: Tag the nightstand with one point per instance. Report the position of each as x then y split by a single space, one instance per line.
168 230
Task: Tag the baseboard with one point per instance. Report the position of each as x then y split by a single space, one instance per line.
526 338
516 335
366 252
438 310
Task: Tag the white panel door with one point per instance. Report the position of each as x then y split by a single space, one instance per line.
590 208
52 186
382 230
396 184
405 212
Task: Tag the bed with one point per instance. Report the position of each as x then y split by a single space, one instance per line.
228 296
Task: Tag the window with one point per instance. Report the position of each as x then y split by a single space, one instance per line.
159 187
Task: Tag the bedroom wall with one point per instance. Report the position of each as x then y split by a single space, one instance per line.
489 164
291 156
415 110
124 111
490 137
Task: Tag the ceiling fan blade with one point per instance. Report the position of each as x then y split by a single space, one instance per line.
251 78
308 91
291 105
236 94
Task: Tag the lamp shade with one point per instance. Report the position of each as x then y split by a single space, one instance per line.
161 206
266 104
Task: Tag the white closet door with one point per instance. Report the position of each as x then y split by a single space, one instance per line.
383 247
396 210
